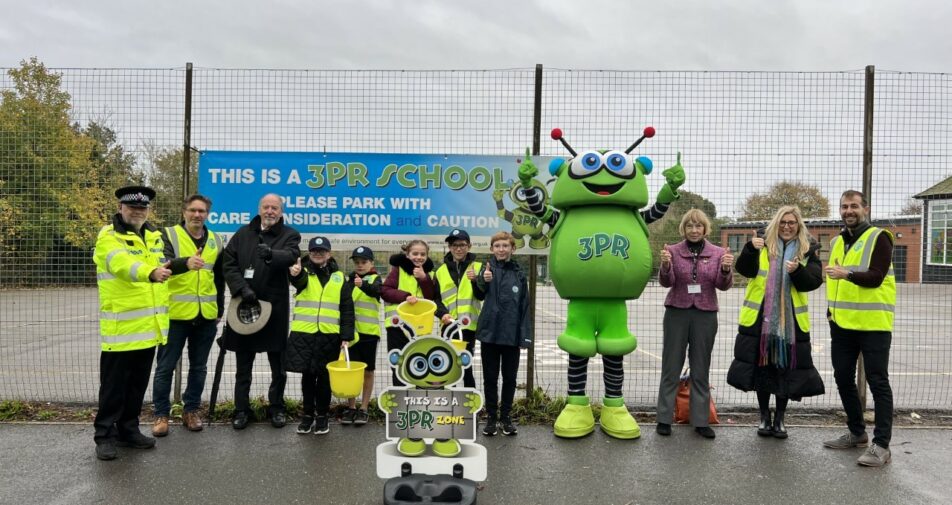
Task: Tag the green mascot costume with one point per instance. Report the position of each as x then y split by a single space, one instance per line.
599 258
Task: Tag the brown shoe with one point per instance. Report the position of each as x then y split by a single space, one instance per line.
160 427
192 421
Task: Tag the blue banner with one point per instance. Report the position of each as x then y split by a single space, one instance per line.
374 199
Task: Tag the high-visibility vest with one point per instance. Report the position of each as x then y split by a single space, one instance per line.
854 307
407 283
366 310
754 298
459 300
133 311
318 307
193 290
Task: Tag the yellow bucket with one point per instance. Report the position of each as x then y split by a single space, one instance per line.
346 381
418 315
459 345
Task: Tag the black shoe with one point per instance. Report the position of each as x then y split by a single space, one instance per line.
321 426
361 417
279 419
663 429
106 451
240 421
348 416
508 428
779 429
705 431
137 441
307 424
765 428
489 429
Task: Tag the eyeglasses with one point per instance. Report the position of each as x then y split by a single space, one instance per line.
789 224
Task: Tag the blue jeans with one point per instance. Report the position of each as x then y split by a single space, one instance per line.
200 334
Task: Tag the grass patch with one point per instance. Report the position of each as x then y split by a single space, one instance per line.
10 409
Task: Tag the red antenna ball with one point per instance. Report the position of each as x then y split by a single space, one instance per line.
557 133
649 131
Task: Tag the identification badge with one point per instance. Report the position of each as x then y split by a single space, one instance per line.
694 289
250 273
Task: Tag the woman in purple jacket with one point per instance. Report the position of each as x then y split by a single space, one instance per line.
693 269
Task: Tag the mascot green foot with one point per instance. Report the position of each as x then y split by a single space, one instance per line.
410 447
579 335
616 421
520 242
613 338
446 448
540 242
576 419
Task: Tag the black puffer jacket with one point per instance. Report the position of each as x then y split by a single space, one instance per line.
504 318
744 373
311 352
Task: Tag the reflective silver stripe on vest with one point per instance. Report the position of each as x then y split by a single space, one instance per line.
762 273
366 319
365 305
134 271
328 320
449 292
862 306
800 310
131 337
194 298
133 314
208 266
330 306
173 237
305 304
750 304
105 277
316 319
111 255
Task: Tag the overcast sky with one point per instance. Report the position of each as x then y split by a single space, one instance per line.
801 35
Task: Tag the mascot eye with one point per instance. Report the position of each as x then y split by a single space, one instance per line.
586 164
619 164
439 361
520 194
418 367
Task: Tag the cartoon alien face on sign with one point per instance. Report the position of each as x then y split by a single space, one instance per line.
429 363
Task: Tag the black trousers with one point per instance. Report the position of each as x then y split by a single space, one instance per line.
123 379
316 390
244 362
495 355
396 339
845 348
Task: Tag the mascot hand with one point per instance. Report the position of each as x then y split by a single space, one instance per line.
498 194
674 176
386 402
527 170
474 402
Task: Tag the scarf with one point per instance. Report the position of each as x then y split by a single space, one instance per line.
778 336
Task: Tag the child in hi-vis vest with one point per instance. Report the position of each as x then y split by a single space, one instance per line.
408 281
366 295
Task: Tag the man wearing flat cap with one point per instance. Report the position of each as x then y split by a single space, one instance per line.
131 271
255 264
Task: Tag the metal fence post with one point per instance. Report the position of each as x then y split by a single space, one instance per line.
868 191
534 259
186 165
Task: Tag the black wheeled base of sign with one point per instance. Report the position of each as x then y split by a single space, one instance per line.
420 488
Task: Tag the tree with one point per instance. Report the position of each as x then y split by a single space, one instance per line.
912 207
163 172
665 230
809 198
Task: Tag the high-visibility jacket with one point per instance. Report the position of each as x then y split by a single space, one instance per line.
459 300
193 290
754 298
366 310
408 283
852 306
317 307
133 311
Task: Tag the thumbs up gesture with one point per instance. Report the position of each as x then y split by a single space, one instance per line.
488 273
295 269
835 271
727 260
162 273
358 281
195 261
419 273
665 256
757 242
470 273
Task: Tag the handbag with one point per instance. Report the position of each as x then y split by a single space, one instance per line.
682 402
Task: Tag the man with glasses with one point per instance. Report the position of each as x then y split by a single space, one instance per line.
456 293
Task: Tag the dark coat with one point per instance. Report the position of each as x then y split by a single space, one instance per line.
389 291
270 281
504 318
744 373
311 352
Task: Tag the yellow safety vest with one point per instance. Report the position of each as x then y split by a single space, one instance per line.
133 311
318 307
406 283
193 290
459 300
854 307
366 310
754 298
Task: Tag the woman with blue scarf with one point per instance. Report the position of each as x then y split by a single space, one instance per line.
772 350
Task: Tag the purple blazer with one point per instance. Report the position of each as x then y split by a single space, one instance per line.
677 276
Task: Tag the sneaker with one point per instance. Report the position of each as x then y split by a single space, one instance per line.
106 451
508 428
361 418
306 425
279 419
848 441
875 456
348 416
160 427
240 421
321 426
663 429
705 431
137 441
489 429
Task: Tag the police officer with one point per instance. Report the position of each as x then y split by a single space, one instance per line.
197 301
131 271
456 293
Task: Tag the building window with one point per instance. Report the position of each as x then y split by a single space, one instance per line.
736 242
940 232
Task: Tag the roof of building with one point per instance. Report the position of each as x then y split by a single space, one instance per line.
943 188
886 221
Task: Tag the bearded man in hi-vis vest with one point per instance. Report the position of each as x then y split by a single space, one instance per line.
861 290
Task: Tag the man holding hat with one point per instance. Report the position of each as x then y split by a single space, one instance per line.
456 293
255 264
131 271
